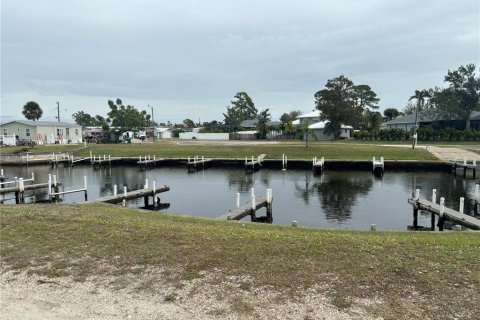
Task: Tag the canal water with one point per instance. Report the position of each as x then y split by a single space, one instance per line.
336 199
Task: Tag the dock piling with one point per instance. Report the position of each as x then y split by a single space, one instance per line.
238 199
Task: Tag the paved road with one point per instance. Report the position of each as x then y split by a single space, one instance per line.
453 153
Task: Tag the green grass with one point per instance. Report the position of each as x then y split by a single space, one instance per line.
81 240
294 150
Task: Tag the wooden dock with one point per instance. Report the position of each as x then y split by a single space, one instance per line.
135 194
20 190
318 165
443 212
254 164
196 162
98 161
378 167
466 166
148 161
250 209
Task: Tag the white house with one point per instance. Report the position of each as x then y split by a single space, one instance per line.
43 132
163 133
319 134
317 127
310 118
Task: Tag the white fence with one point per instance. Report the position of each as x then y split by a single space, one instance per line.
204 136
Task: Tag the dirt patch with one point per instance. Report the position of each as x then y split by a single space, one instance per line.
149 296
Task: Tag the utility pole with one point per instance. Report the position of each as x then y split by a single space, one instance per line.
58 111
153 125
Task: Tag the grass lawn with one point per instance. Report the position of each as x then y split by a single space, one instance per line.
294 150
417 274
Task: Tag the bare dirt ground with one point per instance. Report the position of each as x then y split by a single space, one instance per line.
147 296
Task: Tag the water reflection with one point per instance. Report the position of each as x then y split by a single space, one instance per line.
335 199
338 194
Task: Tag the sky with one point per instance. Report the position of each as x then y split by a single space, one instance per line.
188 58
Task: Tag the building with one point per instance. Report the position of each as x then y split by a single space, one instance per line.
430 118
317 127
318 131
43 132
163 133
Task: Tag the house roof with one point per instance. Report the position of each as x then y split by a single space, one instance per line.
43 123
162 129
428 116
321 125
313 114
251 123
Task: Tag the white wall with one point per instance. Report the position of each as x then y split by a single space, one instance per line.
204 136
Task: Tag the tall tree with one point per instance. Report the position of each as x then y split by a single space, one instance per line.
241 108
189 123
421 96
32 111
262 120
365 97
338 104
463 92
84 119
127 117
287 121
390 114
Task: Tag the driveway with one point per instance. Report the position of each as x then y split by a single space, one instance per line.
453 153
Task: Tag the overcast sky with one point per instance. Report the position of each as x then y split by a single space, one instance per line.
188 58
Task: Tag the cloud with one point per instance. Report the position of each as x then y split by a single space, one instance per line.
195 55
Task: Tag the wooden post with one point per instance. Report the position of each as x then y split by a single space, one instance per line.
432 222
462 202
441 219
115 190
153 189
238 199
49 188
417 194
434 195
85 185
21 188
254 207
124 196
415 218
269 206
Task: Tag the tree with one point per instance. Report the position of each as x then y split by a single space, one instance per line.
462 97
189 123
32 111
365 97
262 120
373 119
338 105
84 119
127 117
290 117
242 108
420 96
287 121
390 114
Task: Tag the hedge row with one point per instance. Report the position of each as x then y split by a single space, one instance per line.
424 134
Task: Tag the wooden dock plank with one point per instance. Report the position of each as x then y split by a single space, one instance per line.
243 211
27 187
132 195
450 214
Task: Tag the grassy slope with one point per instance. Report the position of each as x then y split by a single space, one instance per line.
417 274
294 150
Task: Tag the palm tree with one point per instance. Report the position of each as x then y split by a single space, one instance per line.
420 96
32 111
